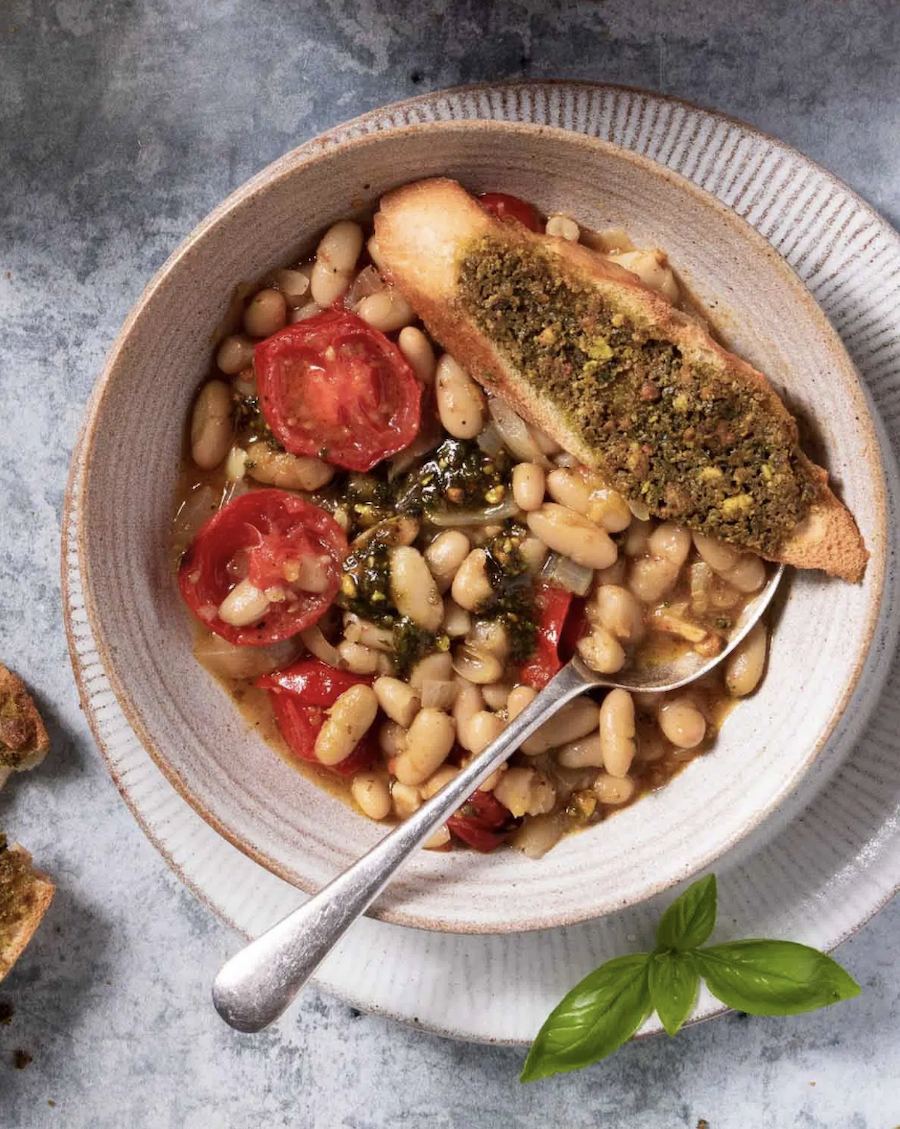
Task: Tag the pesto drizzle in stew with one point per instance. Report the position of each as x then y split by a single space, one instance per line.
681 438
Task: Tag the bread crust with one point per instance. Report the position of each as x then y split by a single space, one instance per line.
419 230
25 896
23 736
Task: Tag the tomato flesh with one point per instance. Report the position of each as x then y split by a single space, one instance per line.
300 695
552 607
258 534
482 822
506 207
334 387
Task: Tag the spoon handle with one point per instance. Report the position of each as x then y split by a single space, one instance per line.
256 985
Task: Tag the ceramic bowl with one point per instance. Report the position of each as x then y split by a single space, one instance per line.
132 442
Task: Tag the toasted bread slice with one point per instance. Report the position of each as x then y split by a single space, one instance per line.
23 737
25 894
522 312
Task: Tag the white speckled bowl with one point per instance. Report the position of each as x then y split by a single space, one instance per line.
242 787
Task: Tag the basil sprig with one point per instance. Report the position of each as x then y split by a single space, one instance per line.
609 1005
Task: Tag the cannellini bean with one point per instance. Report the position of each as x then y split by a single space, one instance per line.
405 799
457 621
358 659
435 668
544 443
528 485
564 227
717 554
438 780
534 553
266 313
574 720
471 587
496 694
568 487
307 310
460 402
438 840
538 834
482 728
650 578
235 354
235 464
490 635
469 701
609 509
682 723
670 542
615 574
572 535
583 753
387 310
651 267
391 738
444 556
294 285
519 698
476 664
613 789
748 575
243 605
428 743
616 609
744 666
413 589
525 791
335 260
289 472
601 651
398 700
211 427
617 732
371 635
346 723
372 795
637 537
418 350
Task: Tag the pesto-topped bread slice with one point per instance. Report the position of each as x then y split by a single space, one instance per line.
25 894
627 383
23 737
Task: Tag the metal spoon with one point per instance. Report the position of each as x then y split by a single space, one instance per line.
256 985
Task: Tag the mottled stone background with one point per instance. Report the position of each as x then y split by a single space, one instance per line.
121 124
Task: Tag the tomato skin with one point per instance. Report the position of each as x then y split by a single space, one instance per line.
334 387
505 207
552 605
482 822
300 694
574 628
265 524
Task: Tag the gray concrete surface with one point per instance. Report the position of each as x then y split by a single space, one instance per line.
121 125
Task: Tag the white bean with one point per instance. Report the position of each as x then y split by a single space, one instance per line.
471 586
496 694
469 701
650 578
575 720
243 605
476 664
616 609
235 354
744 666
651 267
572 535
211 426
538 834
372 795
405 798
310 574
358 659
534 553
601 651
682 723
336 257
413 589
617 732
294 285
670 542
397 699
387 310
481 729
563 227
265 314
583 753
438 780
287 471
428 743
460 402
418 350
528 485
457 621
613 789
444 556
519 698
346 724
436 668
437 840
525 791
391 738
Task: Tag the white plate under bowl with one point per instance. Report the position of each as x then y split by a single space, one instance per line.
815 879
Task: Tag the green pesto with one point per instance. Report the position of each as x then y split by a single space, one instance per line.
458 474
249 419
513 601
683 439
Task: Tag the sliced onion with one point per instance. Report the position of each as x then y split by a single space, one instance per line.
564 459
563 572
514 433
488 516
230 661
640 511
427 439
489 441
438 695
316 643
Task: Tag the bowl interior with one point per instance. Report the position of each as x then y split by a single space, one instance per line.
239 783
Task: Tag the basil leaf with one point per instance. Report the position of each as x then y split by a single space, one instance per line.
689 920
773 977
673 982
593 1020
